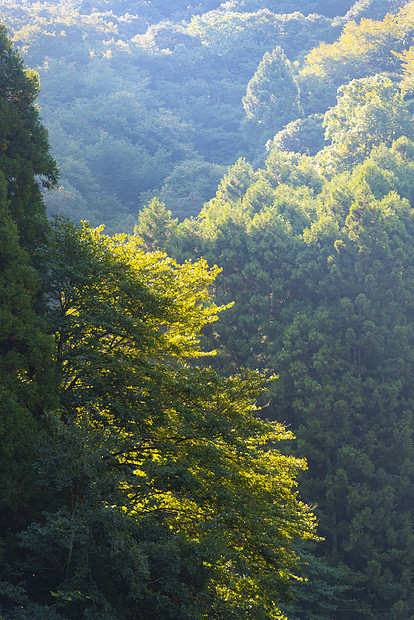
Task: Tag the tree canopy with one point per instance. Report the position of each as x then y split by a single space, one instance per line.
170 497
369 112
135 482
320 271
141 475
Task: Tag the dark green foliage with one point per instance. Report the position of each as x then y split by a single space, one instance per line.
27 383
352 384
24 154
24 351
321 594
320 270
322 278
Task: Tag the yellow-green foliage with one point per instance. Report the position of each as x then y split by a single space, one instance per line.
164 468
362 49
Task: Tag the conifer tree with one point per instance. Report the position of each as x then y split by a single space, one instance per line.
25 348
24 149
322 282
272 98
25 353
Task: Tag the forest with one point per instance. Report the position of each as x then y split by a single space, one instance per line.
206 310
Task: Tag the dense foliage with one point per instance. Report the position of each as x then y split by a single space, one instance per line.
166 494
146 453
134 482
316 252
142 97
137 100
321 272
26 380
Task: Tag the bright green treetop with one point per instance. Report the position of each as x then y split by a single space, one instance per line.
369 111
173 500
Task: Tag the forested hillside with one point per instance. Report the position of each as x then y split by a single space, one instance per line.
146 98
316 246
134 481
268 149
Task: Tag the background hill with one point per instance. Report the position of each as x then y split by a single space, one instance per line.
144 98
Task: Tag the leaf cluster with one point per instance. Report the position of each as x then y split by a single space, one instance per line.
170 497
